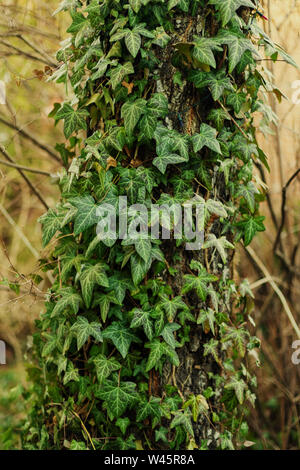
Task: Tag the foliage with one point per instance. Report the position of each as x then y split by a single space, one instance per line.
115 313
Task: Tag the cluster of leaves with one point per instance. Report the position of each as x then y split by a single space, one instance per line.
115 313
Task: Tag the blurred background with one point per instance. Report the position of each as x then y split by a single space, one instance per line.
29 38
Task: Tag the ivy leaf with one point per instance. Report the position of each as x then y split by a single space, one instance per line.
121 336
133 42
104 301
117 397
218 116
157 350
227 8
71 374
104 366
91 276
207 316
207 137
143 248
147 126
197 404
250 226
131 113
150 408
236 100
162 161
139 268
171 306
70 300
167 334
237 336
237 45
135 5
73 120
183 419
119 283
172 4
203 50
51 222
117 74
212 348
158 105
198 283
221 244
239 386
123 424
248 193
161 37
86 215
83 330
50 344
142 319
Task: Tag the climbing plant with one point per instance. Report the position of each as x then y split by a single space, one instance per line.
144 344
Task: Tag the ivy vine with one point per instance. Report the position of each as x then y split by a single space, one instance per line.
118 310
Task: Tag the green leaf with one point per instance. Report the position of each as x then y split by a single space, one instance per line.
197 404
237 45
203 50
221 244
83 330
171 306
207 137
117 74
104 366
90 276
248 193
172 4
51 222
212 348
158 105
86 215
239 386
50 344
143 247
161 37
73 120
207 316
131 113
139 268
162 161
227 8
150 408
250 226
167 334
236 100
70 300
183 419
238 336
121 336
71 374
123 424
198 283
133 42
157 350
135 5
142 319
147 126
118 397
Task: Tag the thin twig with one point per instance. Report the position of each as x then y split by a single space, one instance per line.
283 211
276 289
30 137
33 189
25 168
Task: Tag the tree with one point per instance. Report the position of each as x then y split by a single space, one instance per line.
143 342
